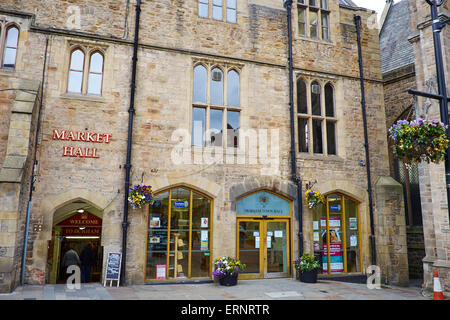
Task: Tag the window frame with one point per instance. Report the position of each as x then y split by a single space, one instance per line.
89 72
72 51
4 29
319 11
224 10
208 106
310 118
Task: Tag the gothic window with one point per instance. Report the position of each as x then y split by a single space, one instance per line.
95 74
316 119
216 106
10 47
76 70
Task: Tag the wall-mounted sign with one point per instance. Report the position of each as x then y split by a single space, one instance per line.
76 231
79 152
181 204
82 219
336 207
263 203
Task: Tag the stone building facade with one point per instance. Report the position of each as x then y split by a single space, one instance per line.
200 66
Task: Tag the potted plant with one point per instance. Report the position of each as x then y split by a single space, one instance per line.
419 140
226 270
313 198
307 267
140 195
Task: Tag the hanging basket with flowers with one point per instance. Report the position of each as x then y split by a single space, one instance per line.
419 140
313 198
140 195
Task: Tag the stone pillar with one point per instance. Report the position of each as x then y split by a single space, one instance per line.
15 177
390 232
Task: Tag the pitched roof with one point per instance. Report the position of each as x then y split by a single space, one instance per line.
396 50
347 3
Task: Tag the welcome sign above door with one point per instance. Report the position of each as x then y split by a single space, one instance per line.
263 203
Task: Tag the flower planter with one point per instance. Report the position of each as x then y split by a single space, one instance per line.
229 280
308 276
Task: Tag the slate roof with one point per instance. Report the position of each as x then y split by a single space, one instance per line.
396 50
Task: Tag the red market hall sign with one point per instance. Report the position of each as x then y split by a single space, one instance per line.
81 152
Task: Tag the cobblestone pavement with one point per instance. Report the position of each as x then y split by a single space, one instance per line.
266 289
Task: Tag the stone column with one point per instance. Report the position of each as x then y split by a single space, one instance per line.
15 177
390 232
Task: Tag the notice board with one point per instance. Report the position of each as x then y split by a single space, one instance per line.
113 265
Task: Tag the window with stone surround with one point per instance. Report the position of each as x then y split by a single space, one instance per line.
85 75
221 10
313 19
9 42
316 117
215 105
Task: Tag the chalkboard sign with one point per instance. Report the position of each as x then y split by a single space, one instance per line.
113 267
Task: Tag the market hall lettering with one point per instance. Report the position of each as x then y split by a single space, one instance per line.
78 152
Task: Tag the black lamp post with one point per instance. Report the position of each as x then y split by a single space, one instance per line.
442 88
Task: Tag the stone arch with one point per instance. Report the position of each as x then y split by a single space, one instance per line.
208 187
51 204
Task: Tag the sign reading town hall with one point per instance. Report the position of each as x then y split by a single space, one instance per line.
70 151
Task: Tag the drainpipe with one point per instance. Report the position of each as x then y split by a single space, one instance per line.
129 143
295 179
357 19
33 177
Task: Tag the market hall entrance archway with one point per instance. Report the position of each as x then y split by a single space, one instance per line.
75 226
264 235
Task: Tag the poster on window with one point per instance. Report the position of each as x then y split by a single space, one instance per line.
336 252
160 271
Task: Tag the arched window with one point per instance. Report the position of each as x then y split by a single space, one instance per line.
233 88
329 100
315 99
179 235
11 44
216 87
200 84
95 74
76 68
337 230
302 102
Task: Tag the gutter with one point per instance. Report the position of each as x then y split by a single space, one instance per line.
129 144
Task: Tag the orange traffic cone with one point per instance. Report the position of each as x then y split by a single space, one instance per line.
437 294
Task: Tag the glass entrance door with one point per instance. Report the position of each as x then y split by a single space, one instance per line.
263 245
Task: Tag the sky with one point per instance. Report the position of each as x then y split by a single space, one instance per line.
377 5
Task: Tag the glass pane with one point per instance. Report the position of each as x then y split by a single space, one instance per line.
9 59
331 137
200 84
216 87
198 126
77 60
319 236
324 4
231 4
336 234
313 24
312 3
158 220
231 15
75 80
201 235
233 89
217 9
301 28
301 97
277 259
329 101
249 244
12 38
96 63
325 27
303 135
353 250
215 127
179 234
95 84
317 136
233 129
315 99
203 10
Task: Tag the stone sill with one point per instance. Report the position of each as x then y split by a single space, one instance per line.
83 97
319 157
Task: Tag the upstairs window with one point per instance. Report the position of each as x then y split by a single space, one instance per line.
10 45
85 74
221 10
316 118
313 19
